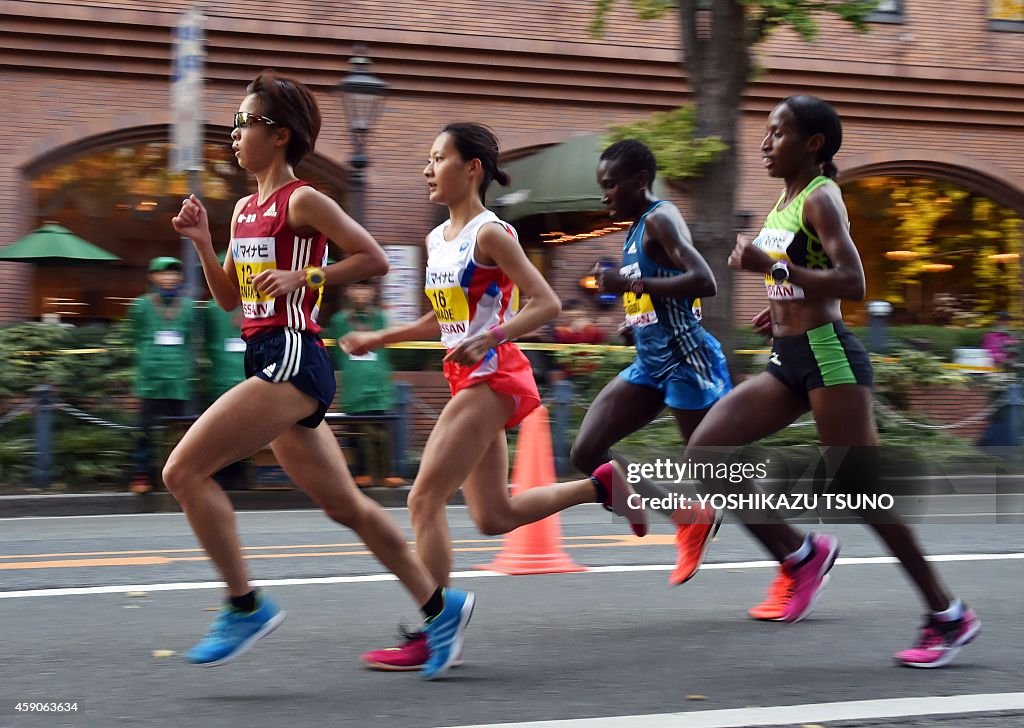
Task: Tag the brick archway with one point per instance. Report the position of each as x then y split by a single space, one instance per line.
61 148
987 179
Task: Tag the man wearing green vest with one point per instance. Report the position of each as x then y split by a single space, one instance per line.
161 324
366 387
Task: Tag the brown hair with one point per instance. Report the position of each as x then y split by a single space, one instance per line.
291 105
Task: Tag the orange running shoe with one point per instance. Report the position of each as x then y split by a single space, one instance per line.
773 608
693 539
141 485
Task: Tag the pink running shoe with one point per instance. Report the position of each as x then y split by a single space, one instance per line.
411 655
612 477
809 577
940 642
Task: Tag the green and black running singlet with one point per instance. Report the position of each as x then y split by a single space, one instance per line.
785 237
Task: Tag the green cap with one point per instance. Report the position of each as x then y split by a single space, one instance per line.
164 262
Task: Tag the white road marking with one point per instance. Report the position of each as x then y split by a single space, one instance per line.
475 574
794 714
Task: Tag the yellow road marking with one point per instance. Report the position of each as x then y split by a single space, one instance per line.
94 559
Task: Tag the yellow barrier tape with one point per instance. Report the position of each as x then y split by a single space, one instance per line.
530 346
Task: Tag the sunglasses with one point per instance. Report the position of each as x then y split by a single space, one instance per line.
244 119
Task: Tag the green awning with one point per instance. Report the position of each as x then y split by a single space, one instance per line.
561 178
55 245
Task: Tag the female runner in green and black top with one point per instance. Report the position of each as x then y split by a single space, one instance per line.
810 264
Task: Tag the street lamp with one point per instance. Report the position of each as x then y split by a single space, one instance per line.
362 94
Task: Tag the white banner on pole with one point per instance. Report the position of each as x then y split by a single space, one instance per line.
402 288
187 93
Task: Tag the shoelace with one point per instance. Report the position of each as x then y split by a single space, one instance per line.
930 637
781 587
220 626
787 588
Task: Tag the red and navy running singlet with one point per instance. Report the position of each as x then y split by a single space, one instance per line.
263 240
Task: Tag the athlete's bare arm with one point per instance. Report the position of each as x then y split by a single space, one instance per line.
496 246
425 328
192 222
668 236
310 209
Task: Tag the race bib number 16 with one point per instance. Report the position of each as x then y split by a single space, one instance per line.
451 308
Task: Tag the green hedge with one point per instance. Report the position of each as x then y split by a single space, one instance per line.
95 380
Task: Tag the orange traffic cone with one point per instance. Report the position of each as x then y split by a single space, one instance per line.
535 548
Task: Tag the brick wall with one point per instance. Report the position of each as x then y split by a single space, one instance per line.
72 71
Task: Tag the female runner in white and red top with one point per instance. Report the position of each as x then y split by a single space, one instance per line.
474 263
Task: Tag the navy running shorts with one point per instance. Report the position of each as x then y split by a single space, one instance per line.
296 357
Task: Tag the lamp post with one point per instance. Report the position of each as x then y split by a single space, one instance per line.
362 94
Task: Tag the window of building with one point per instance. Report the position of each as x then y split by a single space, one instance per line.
887 11
1006 15
122 200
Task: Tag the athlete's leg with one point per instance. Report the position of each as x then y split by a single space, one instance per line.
464 431
619 410
495 512
688 421
245 419
315 463
755 409
844 417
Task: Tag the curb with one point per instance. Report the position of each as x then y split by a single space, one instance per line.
106 504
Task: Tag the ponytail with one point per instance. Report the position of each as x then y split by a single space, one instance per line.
829 169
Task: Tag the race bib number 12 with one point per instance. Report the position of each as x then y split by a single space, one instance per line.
252 256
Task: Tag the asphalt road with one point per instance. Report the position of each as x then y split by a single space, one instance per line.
97 610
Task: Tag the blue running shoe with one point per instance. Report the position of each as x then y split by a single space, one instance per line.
233 633
445 632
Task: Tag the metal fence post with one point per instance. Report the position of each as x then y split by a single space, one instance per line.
560 412
44 436
400 428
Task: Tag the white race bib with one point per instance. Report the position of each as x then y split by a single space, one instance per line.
252 256
168 338
775 243
639 309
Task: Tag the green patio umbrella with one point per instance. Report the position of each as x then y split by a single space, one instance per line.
55 245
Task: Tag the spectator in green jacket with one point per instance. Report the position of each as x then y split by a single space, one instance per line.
161 324
366 387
